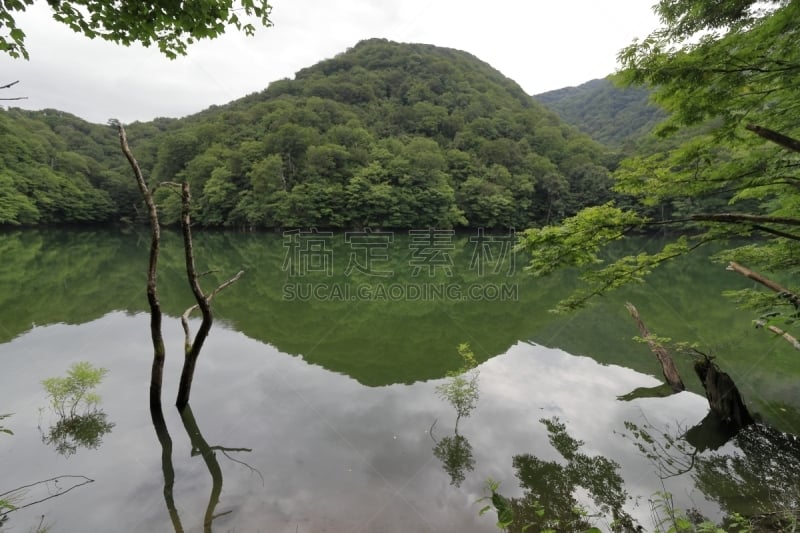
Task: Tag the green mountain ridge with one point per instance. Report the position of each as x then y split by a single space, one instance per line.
384 134
611 115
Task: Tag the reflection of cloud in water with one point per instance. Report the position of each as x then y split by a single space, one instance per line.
334 454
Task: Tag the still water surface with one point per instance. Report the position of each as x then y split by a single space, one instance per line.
323 415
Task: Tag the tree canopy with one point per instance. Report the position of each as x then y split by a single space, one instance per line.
616 116
170 25
382 135
731 68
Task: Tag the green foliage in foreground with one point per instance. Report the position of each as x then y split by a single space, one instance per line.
383 135
170 25
732 70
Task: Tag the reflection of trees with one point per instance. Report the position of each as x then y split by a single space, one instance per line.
73 400
455 453
199 447
461 391
549 501
758 480
85 431
167 468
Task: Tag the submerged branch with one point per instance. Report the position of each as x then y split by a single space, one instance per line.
667 364
193 347
56 479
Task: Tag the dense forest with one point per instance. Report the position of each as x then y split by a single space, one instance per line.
613 115
382 135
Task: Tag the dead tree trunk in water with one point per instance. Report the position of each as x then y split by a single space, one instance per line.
159 353
723 396
667 364
192 351
192 348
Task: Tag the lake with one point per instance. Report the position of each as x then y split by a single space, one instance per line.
317 401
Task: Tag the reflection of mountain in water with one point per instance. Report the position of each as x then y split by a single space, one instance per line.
334 453
82 275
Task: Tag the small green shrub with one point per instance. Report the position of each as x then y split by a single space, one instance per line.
70 394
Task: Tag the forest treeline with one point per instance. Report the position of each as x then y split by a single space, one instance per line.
383 135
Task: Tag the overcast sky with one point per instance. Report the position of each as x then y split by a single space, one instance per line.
542 45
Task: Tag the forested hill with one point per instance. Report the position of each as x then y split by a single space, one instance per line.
382 135
612 115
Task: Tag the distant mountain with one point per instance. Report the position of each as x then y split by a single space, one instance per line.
609 114
385 134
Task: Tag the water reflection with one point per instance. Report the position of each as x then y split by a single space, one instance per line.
460 390
455 453
360 458
63 276
38 492
79 431
549 500
199 446
167 468
758 479
752 474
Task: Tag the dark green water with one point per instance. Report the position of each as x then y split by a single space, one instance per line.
327 375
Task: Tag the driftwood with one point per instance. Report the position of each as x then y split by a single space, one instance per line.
667 364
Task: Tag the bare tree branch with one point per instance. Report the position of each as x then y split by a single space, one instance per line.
203 302
778 331
667 364
6 86
773 136
56 479
159 353
190 310
793 298
744 217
